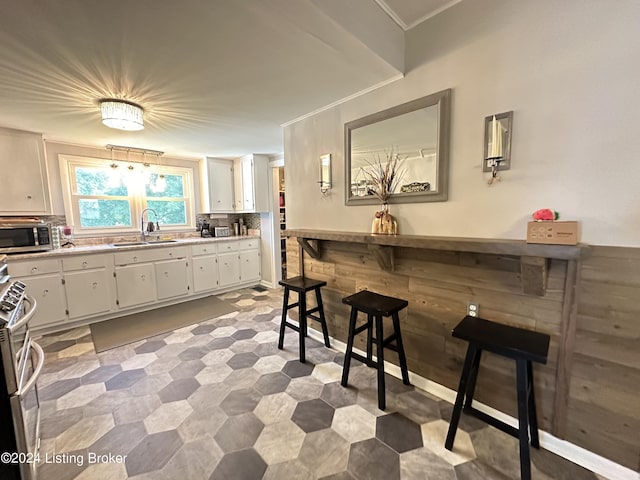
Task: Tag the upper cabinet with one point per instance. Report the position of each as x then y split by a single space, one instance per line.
220 174
27 191
240 185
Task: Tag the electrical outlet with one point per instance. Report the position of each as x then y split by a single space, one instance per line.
473 309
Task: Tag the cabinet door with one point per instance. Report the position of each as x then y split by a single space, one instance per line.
48 292
28 191
171 278
88 292
249 265
229 268
221 185
205 273
238 185
248 198
136 284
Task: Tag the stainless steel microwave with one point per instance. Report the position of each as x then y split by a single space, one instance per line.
24 237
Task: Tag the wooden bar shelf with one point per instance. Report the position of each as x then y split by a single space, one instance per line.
534 258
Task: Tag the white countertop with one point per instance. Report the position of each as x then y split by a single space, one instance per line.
110 248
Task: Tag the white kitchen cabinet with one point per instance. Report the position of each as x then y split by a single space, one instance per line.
44 283
88 283
172 278
136 284
22 156
249 265
251 183
229 268
205 267
221 186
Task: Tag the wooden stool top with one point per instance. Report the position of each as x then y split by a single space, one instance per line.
375 304
503 339
302 284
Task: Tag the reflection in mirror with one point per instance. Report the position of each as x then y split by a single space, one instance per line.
325 173
417 132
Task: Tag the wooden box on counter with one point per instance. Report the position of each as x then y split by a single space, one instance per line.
552 232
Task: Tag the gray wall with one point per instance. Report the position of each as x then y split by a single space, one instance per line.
569 72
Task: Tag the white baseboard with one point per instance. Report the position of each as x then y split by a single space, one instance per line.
578 455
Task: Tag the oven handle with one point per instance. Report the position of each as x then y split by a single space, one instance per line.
36 371
27 316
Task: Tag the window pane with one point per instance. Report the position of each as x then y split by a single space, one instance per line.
174 186
99 181
169 212
104 213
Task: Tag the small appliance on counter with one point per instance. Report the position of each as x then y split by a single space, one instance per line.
22 237
221 231
205 230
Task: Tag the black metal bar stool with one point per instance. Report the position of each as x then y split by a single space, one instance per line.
302 285
376 307
525 347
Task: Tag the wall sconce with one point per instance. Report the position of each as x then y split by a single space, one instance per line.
497 144
325 173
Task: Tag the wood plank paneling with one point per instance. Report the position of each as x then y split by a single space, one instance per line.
602 366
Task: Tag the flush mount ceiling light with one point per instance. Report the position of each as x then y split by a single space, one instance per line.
121 114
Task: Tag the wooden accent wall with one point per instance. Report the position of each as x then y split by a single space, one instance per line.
439 284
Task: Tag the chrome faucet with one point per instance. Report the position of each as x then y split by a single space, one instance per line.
151 228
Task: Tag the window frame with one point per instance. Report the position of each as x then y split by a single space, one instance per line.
137 196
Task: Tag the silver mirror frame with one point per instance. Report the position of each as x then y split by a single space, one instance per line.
443 101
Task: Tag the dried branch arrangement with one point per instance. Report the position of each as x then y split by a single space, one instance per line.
384 178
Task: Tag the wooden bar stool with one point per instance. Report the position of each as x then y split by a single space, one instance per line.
302 286
525 347
376 307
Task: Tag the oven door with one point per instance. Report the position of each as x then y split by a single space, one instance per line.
25 410
14 342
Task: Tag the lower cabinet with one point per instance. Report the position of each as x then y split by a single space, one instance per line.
49 293
136 284
205 273
229 268
172 278
249 265
88 292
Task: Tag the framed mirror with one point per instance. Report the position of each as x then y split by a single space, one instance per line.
416 131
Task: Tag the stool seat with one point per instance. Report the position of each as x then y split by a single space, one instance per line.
374 303
302 285
376 306
502 339
523 346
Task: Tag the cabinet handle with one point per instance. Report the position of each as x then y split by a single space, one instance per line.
29 197
94 285
143 277
84 264
45 292
135 259
171 254
34 269
166 274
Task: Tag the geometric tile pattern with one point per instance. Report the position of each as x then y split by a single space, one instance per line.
218 400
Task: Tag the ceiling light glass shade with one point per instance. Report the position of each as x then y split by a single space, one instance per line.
121 115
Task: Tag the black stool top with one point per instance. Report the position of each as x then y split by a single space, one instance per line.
375 304
302 284
505 340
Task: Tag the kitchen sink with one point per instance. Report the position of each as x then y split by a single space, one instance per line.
150 242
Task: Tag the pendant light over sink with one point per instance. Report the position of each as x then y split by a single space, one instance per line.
121 114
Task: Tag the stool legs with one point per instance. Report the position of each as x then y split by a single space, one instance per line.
322 320
400 349
283 321
347 353
533 418
380 360
462 388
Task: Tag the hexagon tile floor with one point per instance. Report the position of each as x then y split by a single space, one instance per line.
218 400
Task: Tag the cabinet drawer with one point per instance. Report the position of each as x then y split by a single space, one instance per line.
84 262
149 255
228 246
33 267
249 244
204 249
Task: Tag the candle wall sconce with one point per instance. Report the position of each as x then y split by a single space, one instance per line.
497 144
325 173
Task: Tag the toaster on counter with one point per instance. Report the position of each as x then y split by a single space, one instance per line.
221 231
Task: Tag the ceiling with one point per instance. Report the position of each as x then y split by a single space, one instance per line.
215 77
